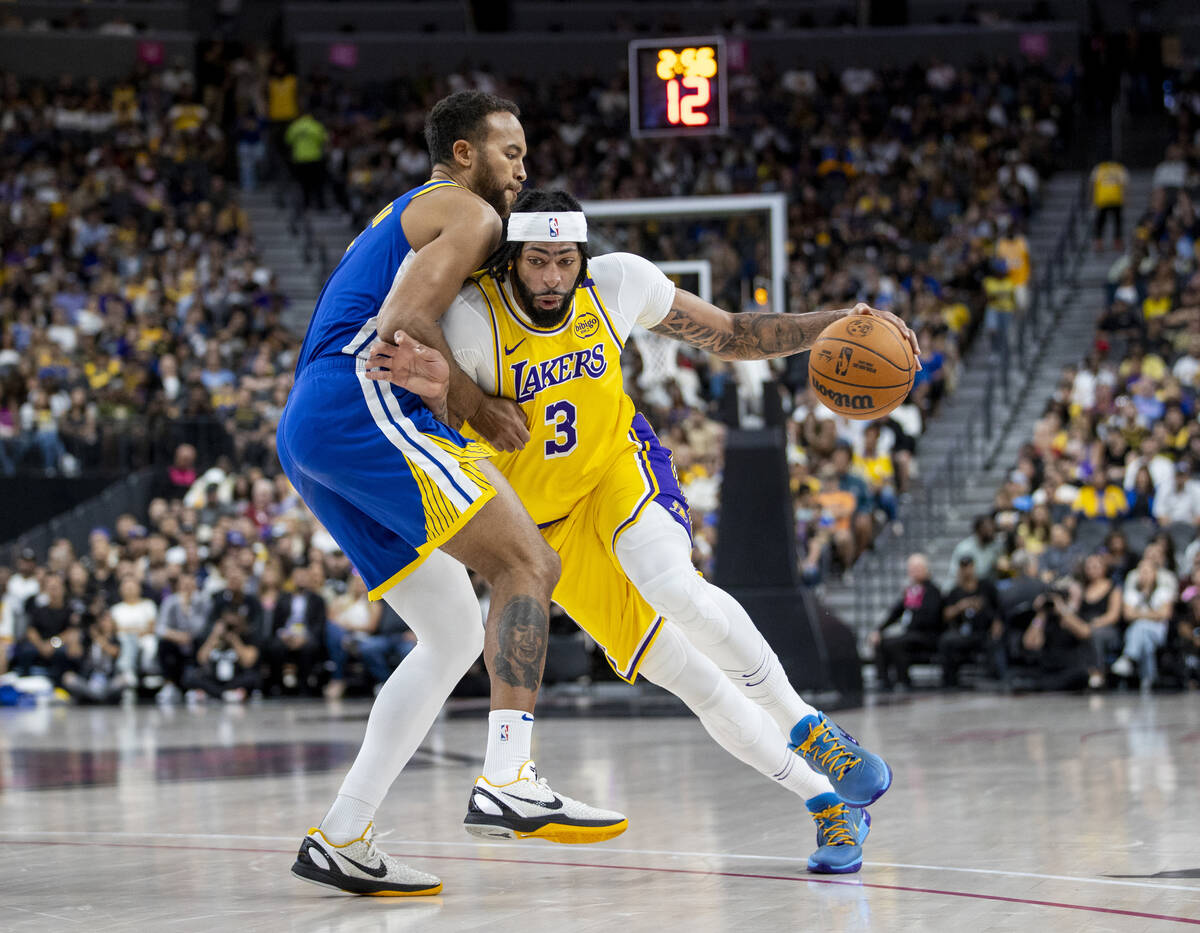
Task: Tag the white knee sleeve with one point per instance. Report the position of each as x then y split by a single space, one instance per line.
676 665
655 554
439 604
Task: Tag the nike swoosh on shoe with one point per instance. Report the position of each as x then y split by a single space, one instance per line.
554 804
377 872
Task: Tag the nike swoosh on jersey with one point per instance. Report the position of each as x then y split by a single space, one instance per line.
513 349
377 872
554 804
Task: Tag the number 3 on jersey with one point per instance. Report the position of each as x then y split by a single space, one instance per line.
561 416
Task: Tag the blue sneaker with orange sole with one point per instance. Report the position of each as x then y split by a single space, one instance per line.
841 831
859 777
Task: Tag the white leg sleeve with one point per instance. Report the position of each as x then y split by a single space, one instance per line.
439 605
655 555
739 726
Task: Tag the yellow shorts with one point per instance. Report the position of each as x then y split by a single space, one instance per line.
593 589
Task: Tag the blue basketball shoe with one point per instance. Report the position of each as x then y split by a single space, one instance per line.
859 777
841 831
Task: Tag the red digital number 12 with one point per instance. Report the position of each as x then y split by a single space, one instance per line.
688 110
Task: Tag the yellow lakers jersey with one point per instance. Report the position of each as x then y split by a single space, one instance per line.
568 381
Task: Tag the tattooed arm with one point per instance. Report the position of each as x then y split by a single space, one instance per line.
755 335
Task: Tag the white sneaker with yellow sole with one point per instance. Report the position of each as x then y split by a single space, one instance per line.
528 809
358 867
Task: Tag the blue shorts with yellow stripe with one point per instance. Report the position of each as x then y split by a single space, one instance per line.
387 480
593 589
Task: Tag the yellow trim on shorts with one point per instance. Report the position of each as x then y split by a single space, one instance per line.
433 543
640 653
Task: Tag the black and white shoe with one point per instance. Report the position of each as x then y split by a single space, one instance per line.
528 809
359 868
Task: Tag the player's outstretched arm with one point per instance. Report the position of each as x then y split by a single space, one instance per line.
756 335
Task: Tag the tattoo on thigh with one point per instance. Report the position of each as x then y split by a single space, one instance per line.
521 650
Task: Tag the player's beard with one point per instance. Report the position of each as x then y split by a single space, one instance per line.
494 189
543 317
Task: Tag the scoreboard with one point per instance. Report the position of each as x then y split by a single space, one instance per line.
677 87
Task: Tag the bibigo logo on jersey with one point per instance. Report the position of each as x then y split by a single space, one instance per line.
586 324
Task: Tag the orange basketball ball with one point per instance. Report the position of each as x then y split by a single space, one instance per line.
861 367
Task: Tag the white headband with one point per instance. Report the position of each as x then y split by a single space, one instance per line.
540 226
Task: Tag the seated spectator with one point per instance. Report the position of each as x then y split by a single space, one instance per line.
973 625
47 645
1053 645
226 661
182 619
297 639
1179 500
1059 560
1100 498
876 467
913 626
135 618
984 546
1096 604
1188 630
1140 495
1149 601
370 630
98 678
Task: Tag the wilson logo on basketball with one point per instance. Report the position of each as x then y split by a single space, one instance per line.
859 328
843 399
586 325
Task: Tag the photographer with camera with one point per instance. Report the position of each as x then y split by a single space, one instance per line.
973 624
226 661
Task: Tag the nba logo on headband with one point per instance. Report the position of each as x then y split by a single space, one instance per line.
554 228
539 226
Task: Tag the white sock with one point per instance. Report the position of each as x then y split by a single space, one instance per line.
510 732
347 819
742 728
439 605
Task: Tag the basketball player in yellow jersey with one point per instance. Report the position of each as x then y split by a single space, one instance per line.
544 325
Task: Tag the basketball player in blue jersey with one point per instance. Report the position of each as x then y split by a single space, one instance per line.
544 325
410 500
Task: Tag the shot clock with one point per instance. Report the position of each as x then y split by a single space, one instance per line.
677 86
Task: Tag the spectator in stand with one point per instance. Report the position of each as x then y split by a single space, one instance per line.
181 474
182 620
913 626
369 630
875 466
135 618
1053 645
98 677
1149 600
973 624
226 661
1109 180
1100 498
297 641
51 638
983 546
1000 289
1179 501
1141 496
306 138
1096 604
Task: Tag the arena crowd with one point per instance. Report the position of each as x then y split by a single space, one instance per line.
140 327
1087 570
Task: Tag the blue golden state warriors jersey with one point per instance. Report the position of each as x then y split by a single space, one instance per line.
344 319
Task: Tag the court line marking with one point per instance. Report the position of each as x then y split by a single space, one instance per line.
614 849
803 879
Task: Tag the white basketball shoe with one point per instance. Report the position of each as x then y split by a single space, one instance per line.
528 809
357 867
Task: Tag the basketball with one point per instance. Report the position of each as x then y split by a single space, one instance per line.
861 367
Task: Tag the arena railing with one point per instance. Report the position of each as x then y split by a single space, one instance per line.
132 494
941 490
